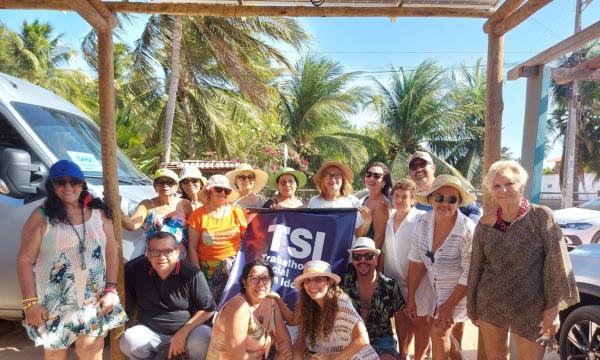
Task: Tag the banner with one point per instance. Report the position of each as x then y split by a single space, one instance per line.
287 239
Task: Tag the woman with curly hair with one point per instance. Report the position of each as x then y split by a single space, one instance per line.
330 327
67 268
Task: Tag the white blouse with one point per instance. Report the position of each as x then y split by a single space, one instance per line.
448 267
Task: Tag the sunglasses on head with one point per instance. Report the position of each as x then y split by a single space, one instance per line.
415 165
367 256
219 189
376 176
190 180
162 182
246 177
449 199
63 182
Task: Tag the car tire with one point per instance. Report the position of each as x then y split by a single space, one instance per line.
576 342
596 238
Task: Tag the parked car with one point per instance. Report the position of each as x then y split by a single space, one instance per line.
37 128
580 324
581 224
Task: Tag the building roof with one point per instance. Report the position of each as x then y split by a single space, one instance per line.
202 165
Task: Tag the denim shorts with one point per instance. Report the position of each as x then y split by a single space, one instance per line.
385 345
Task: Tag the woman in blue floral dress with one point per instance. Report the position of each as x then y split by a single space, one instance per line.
67 268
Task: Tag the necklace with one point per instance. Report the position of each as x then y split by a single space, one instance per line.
503 225
81 239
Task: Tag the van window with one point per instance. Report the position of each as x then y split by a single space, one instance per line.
75 138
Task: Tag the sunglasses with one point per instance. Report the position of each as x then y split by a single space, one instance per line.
335 176
376 176
190 181
368 256
449 199
246 177
163 182
157 252
415 165
63 182
219 190
255 280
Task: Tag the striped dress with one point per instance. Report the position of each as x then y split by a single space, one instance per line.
68 292
448 267
341 335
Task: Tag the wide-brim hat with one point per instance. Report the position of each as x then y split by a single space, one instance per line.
260 180
193 173
315 268
348 174
446 180
300 177
364 243
217 180
165 173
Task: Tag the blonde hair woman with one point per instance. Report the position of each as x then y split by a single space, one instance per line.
249 182
520 267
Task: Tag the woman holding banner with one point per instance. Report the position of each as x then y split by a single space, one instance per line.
287 181
329 324
250 323
215 231
334 182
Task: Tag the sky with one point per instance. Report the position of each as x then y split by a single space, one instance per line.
373 45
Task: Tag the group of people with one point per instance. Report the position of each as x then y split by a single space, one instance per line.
423 261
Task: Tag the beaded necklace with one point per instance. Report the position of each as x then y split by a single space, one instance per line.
502 225
80 238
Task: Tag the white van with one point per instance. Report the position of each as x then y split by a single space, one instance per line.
37 128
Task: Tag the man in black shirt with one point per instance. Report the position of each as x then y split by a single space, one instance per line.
173 301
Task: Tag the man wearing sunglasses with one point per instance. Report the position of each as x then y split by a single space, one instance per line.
173 301
376 297
422 171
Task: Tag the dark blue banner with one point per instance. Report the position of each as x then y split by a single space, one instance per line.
289 238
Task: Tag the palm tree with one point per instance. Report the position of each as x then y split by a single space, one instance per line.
587 148
313 109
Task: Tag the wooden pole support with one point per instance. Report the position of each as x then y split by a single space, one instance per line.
520 15
507 8
90 14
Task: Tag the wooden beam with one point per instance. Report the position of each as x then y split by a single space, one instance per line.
236 10
89 13
507 8
571 43
565 75
520 15
103 10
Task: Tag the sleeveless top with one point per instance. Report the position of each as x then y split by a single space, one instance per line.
174 225
69 293
258 339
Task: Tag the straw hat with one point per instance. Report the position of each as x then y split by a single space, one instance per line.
300 177
446 180
315 268
259 182
217 180
345 169
191 172
165 173
364 243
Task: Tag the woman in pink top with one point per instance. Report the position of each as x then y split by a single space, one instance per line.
250 323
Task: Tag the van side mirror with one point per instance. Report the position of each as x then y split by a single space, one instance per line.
16 170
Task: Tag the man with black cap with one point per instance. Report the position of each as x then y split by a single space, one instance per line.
376 297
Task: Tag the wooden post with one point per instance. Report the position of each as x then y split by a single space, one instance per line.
493 102
109 161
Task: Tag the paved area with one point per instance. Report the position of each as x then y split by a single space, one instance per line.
14 344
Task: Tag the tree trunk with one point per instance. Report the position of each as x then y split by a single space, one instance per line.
173 82
189 125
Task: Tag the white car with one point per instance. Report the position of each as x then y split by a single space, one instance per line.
581 224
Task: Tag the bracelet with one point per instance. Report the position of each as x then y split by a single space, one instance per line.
110 284
24 301
27 306
110 290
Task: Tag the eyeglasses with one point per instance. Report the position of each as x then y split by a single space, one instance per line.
157 252
219 190
367 256
415 165
163 182
255 280
190 180
246 177
449 199
376 176
335 176
317 280
63 182
287 182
